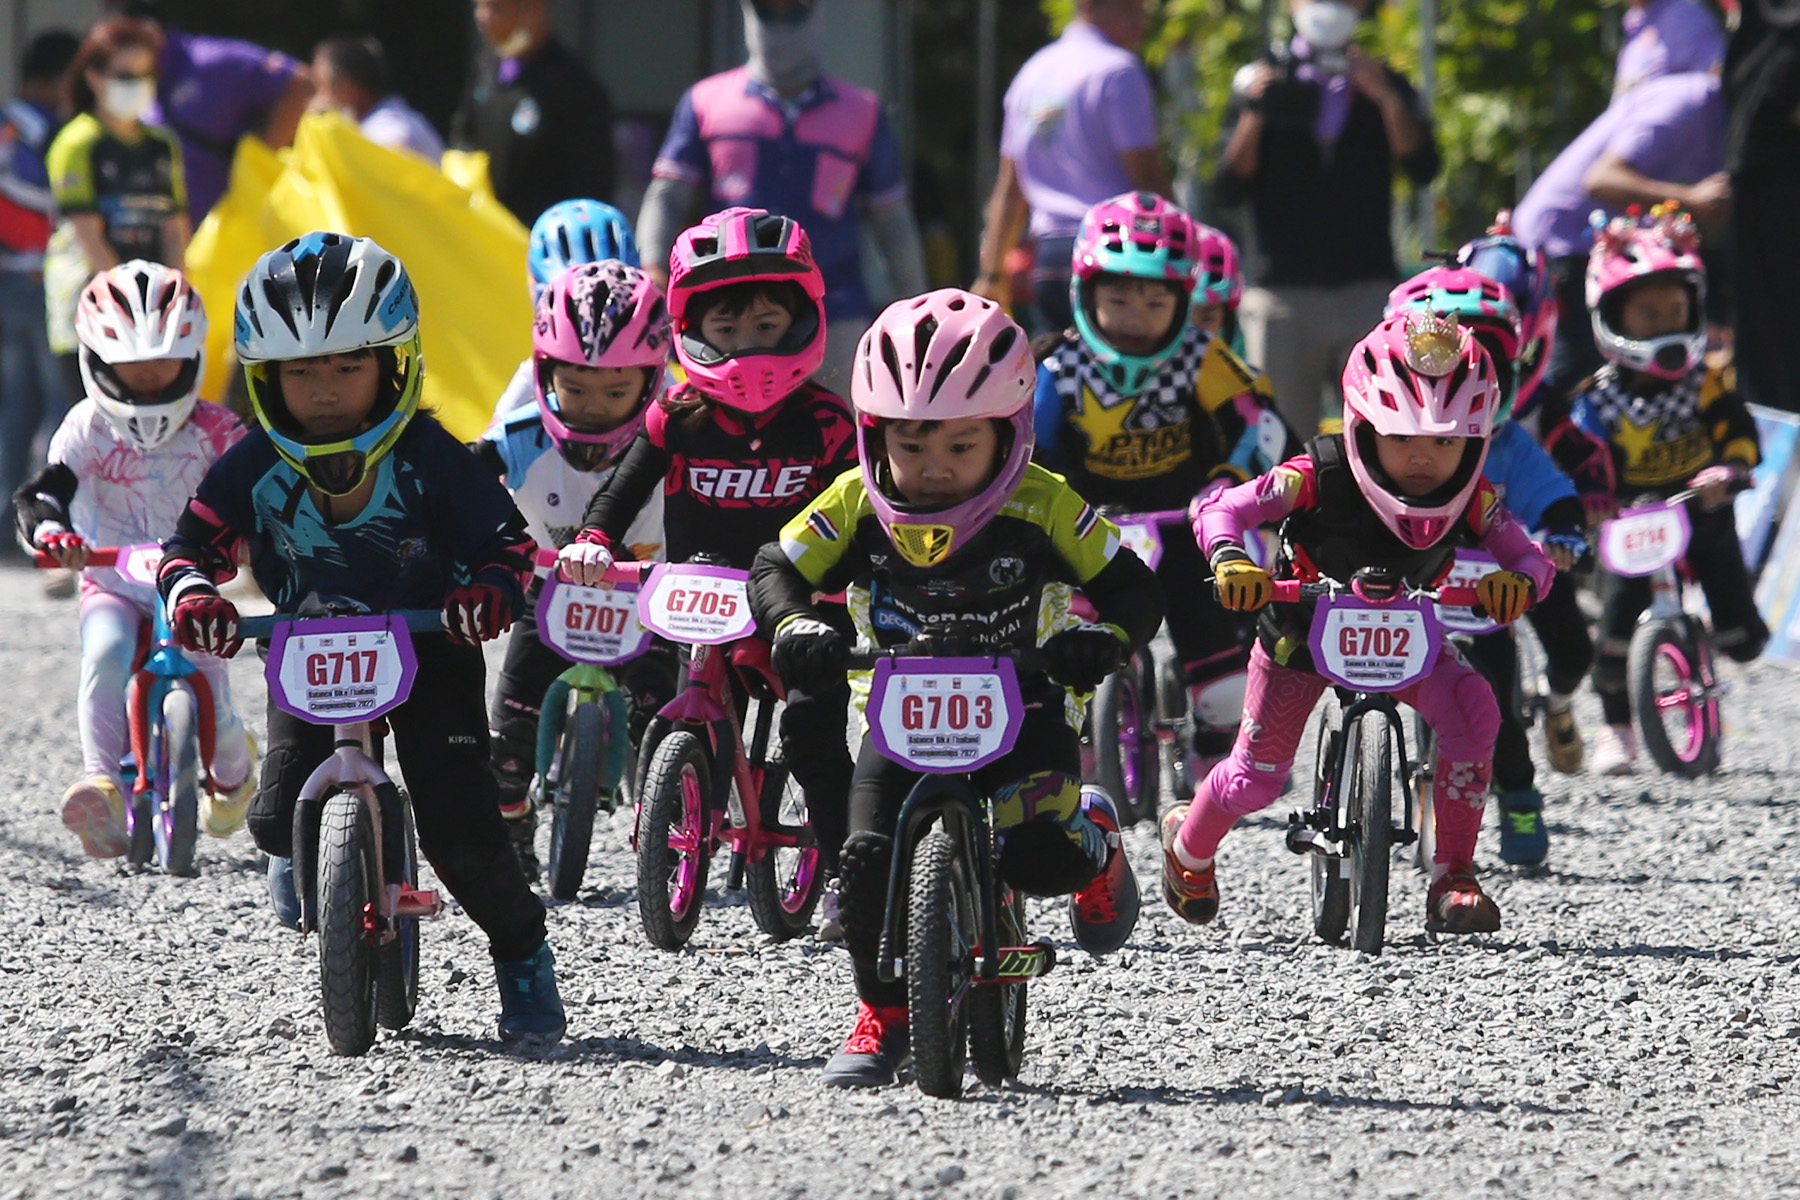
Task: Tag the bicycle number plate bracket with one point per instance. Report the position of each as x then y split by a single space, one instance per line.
137 564
340 670
1374 648
701 606
591 624
1642 541
944 715
1466 571
1143 539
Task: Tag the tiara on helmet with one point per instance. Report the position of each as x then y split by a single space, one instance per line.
1434 344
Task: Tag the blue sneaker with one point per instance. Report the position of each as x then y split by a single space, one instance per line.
529 1004
1524 842
283 893
1105 911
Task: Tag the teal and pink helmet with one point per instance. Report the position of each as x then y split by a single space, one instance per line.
1480 305
1523 272
1136 236
1219 278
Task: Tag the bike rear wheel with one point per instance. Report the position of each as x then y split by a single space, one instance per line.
397 980
348 877
575 798
672 841
178 821
1369 822
940 962
1127 757
783 885
997 1011
1329 884
1670 674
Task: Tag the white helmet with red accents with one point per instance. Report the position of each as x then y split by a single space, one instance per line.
1418 375
1628 251
140 312
947 355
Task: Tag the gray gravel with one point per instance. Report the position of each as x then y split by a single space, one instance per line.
1633 1029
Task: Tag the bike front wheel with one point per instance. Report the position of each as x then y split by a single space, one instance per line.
1369 819
673 840
348 878
1327 873
940 962
575 798
1671 679
397 980
783 885
178 816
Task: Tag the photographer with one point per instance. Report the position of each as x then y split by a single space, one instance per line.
1311 138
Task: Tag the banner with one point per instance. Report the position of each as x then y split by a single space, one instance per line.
1756 509
464 251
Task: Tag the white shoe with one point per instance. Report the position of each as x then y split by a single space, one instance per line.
1614 751
831 925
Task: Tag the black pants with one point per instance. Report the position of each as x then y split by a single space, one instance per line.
441 739
1717 560
1211 640
1573 355
1764 232
1568 653
880 786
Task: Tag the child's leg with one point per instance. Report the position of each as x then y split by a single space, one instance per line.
109 642
1277 701
1211 644
1622 601
1718 559
441 740
295 749
1563 632
815 747
230 764
878 787
1495 656
527 670
1049 843
1459 706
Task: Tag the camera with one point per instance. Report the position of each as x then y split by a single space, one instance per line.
1290 102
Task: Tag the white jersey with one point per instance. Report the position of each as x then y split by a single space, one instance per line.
125 496
520 391
554 495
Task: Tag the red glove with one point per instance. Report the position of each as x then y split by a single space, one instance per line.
476 613
206 623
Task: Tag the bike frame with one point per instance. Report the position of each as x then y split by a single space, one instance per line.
1310 830
159 672
590 683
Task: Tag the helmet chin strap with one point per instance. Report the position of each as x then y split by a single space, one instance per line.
783 55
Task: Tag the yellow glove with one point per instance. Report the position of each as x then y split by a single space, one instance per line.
1242 585
1505 595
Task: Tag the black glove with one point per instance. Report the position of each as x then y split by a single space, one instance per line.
810 656
1081 658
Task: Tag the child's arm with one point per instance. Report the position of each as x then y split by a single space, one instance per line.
491 553
1224 516
1503 537
1728 421
1126 595
202 554
41 506
815 554
617 503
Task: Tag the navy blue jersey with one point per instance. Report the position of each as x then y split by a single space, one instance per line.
437 518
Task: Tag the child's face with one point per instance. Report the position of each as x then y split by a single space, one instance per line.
1135 315
1419 465
148 379
759 326
944 465
596 399
1654 309
331 396
1209 318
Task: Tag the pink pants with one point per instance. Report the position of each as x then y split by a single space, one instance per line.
1454 700
109 638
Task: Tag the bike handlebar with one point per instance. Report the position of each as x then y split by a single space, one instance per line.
622 571
1291 591
1026 662
418 620
98 556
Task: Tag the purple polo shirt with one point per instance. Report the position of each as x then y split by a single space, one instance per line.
1667 37
211 91
1670 128
1071 111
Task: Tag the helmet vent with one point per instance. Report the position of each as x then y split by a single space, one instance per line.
279 306
340 296
1002 344
891 356
382 277
952 360
923 332
123 301
247 308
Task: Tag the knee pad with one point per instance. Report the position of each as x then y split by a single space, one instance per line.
864 865
271 817
1469 729
1048 843
513 756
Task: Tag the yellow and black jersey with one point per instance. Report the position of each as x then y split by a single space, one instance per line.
1205 414
134 186
1660 438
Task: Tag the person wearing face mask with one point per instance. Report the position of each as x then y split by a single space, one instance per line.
544 121
352 76
118 180
781 134
1311 140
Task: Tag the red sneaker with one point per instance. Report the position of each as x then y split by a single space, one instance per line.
875 1050
1194 895
1456 904
1105 911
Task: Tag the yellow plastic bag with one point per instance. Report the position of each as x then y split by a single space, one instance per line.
464 251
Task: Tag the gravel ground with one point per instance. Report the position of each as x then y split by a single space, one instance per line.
1632 1030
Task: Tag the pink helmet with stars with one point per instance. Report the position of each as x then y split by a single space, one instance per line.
1628 251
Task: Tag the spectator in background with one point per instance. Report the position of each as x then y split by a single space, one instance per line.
1080 126
539 113
33 394
1312 136
781 134
1665 141
352 77
211 92
1666 37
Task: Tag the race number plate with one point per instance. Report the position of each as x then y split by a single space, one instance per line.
944 715
1374 648
701 606
1468 569
1143 539
340 670
591 624
1642 541
137 564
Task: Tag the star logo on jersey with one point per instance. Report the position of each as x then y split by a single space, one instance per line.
1636 439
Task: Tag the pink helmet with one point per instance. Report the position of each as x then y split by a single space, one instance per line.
747 245
598 314
1219 278
136 312
948 355
1629 250
1418 375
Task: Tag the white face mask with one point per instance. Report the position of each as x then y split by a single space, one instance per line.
1326 24
784 54
127 99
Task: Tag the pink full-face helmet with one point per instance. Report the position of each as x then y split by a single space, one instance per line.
1418 375
1629 251
947 355
600 314
747 245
